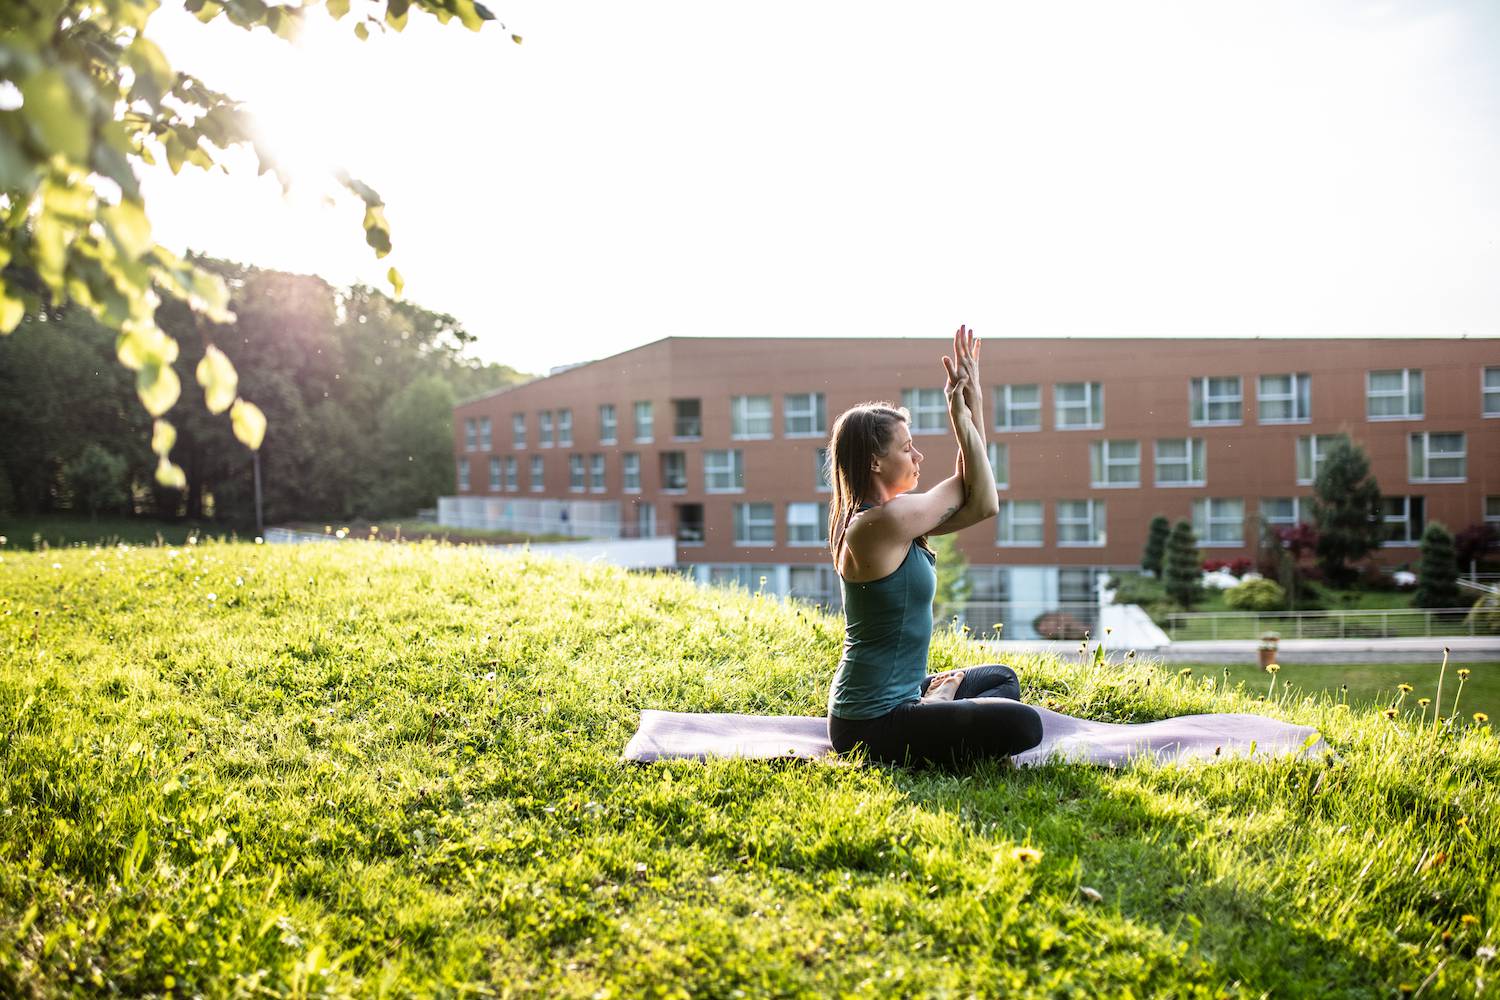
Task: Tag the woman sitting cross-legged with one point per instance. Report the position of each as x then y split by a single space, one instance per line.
882 698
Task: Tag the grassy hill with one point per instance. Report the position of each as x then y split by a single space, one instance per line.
379 770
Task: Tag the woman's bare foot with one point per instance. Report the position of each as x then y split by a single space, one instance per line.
944 687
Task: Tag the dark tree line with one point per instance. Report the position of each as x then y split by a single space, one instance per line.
357 388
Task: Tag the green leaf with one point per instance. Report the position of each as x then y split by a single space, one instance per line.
219 380
158 387
170 475
468 14
377 230
154 76
210 296
394 276
337 9
395 13
208 11
249 423
163 437
50 239
143 343
58 121
17 171
12 310
361 31
128 228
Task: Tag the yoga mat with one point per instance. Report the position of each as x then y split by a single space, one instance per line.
1224 736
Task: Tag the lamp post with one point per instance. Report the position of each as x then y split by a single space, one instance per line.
260 523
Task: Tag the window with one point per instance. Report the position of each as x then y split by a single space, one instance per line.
1312 450
754 524
821 472
512 479
1214 400
806 523
645 521
687 418
1079 406
1283 511
1219 521
805 415
690 524
538 481
1394 395
1284 399
1018 407
1492 511
812 583
564 428
494 474
1180 462
1404 519
485 440
1080 522
1019 523
607 428
1491 392
544 429
463 475
630 472
673 471
518 430
645 421
471 434
1114 464
1000 463
575 473
1437 458
928 408
596 473
724 471
750 417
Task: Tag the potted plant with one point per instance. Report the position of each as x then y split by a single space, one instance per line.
1269 643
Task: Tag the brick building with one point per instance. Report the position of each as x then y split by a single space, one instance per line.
718 442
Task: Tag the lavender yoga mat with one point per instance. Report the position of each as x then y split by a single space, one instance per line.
674 735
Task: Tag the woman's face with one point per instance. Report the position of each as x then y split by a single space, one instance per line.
899 466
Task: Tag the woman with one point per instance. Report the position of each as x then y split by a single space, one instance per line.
881 698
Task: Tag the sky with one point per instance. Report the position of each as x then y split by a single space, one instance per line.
636 171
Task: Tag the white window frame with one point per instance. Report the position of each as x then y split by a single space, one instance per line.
822 474
752 517
1420 455
645 417
1211 514
1491 510
645 520
1299 399
748 414
1008 526
1404 518
486 435
724 470
1007 408
471 434
1093 400
1197 454
663 472
544 429
596 473
1102 460
677 419
463 475
804 407
1278 521
928 409
798 523
496 481
577 475
630 472
1489 392
1093 519
1411 379
1314 445
999 456
565 428
537 478
608 425
518 431
1202 398
512 474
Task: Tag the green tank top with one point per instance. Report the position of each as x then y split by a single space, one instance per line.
887 628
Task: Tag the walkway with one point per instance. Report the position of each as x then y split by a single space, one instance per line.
1463 649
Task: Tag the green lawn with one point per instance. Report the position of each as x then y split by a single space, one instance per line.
60 530
393 770
1375 685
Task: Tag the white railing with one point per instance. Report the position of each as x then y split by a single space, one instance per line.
1374 624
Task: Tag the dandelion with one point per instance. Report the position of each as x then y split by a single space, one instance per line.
1026 855
212 597
327 529
1185 672
1389 713
1109 629
1273 669
999 626
1130 655
1404 688
3 539
57 565
1469 920
341 533
259 540
1463 673
1481 719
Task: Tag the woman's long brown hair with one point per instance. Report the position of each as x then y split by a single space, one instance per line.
860 434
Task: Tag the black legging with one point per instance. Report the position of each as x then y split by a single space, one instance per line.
944 732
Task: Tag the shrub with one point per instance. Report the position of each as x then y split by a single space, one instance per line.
1256 595
1437 580
1182 572
1156 545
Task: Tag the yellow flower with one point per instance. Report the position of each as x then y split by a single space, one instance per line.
1026 855
1463 673
1185 671
1468 920
1481 718
1404 688
1272 668
1424 702
1389 713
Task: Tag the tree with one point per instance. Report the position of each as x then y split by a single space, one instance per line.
1437 583
98 99
1156 545
1182 564
416 434
97 480
1346 509
1474 543
952 577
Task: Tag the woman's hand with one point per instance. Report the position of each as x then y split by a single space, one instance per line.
966 362
957 392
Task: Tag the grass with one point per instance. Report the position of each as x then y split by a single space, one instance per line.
60 530
1372 685
427 531
393 770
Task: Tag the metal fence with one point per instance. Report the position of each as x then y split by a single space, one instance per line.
1384 624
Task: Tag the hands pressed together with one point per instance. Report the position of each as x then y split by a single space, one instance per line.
963 389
